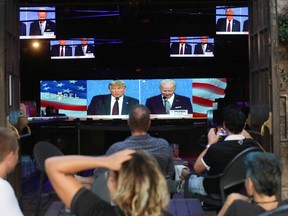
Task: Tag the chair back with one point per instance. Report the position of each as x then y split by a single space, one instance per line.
235 172
279 211
43 150
100 188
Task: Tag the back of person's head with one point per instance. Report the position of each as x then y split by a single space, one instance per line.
117 83
142 188
265 171
8 142
139 118
234 118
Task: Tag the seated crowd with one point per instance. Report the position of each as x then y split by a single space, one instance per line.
135 177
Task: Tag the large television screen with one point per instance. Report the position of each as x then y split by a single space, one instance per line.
72 48
192 46
37 22
231 20
73 97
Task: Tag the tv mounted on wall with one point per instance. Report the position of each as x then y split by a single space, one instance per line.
37 22
73 97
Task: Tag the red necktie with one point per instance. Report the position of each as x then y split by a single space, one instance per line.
181 49
61 51
229 27
115 110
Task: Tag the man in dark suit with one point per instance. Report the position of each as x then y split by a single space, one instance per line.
181 47
115 103
245 26
42 26
84 49
204 47
168 100
228 24
61 49
22 29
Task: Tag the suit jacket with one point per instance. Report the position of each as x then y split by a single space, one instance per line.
245 26
221 25
198 48
22 29
35 28
79 50
55 51
175 48
156 106
100 105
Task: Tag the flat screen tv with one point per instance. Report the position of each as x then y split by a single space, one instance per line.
75 48
231 20
72 97
191 46
37 22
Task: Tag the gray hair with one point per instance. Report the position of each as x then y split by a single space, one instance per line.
167 81
117 83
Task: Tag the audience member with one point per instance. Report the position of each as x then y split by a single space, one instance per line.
8 159
228 24
204 47
263 182
168 100
181 47
84 48
136 185
218 154
42 26
115 103
139 123
61 49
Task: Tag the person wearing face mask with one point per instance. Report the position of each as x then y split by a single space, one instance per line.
168 100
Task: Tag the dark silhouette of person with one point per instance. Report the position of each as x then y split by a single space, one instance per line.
246 26
22 29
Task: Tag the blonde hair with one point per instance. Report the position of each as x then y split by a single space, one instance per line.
142 188
8 142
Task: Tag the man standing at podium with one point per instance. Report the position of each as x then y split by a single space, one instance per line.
115 103
168 100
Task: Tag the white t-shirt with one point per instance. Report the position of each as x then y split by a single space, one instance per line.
8 202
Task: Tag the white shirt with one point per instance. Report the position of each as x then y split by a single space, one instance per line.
120 102
9 205
171 99
42 26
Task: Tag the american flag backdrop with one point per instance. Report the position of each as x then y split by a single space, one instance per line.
204 93
68 96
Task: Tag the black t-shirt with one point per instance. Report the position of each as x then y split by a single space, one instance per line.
219 155
86 203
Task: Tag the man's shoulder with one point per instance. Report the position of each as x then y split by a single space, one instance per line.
181 97
153 97
130 98
102 96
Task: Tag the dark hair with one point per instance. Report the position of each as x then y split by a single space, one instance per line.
139 118
265 171
234 118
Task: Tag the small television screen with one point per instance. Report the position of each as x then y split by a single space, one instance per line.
192 46
37 22
75 98
76 48
231 20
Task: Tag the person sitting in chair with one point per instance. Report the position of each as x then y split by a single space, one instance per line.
263 182
217 154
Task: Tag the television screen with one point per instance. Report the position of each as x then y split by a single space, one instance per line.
194 46
73 97
231 20
37 23
72 49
